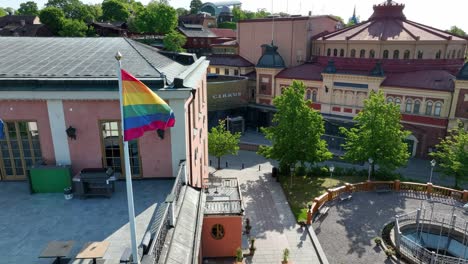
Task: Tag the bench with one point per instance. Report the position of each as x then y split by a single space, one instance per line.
322 210
346 196
382 188
94 181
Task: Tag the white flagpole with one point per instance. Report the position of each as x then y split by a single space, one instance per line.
128 173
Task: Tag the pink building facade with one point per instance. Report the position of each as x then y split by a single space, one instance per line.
38 104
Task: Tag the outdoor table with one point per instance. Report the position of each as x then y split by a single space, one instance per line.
57 250
93 250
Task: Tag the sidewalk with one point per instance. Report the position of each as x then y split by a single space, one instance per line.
273 224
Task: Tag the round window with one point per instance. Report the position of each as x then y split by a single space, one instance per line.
217 231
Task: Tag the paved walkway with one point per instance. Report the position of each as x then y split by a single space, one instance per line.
273 223
346 232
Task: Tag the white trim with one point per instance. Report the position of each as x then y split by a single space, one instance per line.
57 129
415 144
166 94
179 144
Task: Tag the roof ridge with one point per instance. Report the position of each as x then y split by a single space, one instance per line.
429 29
339 31
141 55
437 29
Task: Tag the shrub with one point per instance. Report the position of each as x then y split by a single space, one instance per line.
300 171
377 240
389 252
286 255
239 255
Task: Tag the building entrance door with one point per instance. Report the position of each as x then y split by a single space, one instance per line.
19 149
112 149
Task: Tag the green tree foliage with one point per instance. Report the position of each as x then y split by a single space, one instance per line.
113 10
222 142
95 11
182 11
238 14
9 10
227 24
174 41
73 28
2 12
262 13
195 6
297 135
452 154
457 31
52 17
28 8
73 9
377 134
156 17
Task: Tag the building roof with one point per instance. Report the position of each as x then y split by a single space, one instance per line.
432 80
223 197
390 24
28 30
231 43
15 19
270 58
302 72
229 60
290 18
224 33
81 58
196 31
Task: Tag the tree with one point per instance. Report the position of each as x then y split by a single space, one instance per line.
227 24
113 10
262 13
52 17
452 154
297 134
174 41
95 11
2 12
73 9
457 31
155 17
182 11
10 10
238 14
221 141
195 6
73 28
377 134
28 8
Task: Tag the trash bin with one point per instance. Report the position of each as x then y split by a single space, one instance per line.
67 192
274 172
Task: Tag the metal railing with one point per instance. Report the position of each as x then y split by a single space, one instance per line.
223 207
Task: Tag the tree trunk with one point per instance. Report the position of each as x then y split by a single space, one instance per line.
219 163
372 169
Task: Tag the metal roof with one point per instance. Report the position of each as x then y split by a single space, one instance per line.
271 58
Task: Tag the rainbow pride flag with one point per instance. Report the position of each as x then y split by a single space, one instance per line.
143 110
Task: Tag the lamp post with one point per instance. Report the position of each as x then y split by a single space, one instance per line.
332 169
433 163
370 166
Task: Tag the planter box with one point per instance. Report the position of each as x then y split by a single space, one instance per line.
49 179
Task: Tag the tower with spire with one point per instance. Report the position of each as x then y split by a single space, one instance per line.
353 20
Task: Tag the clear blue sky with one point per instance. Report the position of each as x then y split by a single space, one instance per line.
439 14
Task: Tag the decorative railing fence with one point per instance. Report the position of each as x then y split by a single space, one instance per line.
397 186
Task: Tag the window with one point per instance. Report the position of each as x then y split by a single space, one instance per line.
217 231
314 96
362 53
328 52
226 71
417 106
341 52
335 52
437 109
453 54
406 55
438 54
308 94
371 54
420 54
398 101
429 108
396 54
353 53
217 70
236 72
385 54
389 100
409 106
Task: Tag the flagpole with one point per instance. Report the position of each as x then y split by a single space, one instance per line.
128 173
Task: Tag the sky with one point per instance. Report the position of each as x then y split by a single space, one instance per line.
438 14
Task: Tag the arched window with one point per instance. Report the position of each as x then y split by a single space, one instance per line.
459 54
217 231
314 96
420 54
453 54
429 108
371 54
353 53
335 52
437 108
398 101
417 106
308 94
385 54
406 55
389 100
341 52
328 52
396 54
409 106
438 54
362 53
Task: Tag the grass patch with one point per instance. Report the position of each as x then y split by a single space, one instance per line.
304 189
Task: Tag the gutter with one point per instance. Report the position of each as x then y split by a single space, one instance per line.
190 131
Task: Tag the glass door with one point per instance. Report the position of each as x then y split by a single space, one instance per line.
19 150
112 149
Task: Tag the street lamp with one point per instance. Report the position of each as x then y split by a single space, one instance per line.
433 163
370 165
332 169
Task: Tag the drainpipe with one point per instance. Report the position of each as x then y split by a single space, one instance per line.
190 131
